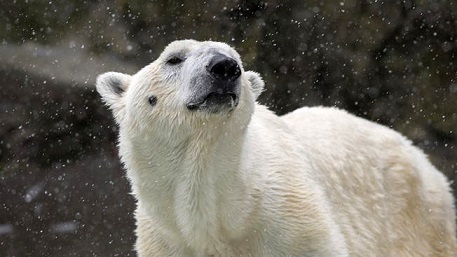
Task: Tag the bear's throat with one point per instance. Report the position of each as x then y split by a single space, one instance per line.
198 191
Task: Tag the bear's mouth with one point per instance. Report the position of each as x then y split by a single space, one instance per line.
215 102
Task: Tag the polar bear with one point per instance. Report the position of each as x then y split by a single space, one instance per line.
216 174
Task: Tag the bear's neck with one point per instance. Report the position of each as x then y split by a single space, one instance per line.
196 188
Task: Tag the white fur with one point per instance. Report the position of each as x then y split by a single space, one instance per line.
316 182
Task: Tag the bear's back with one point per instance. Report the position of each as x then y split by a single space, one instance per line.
379 186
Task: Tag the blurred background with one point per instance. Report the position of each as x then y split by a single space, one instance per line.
62 188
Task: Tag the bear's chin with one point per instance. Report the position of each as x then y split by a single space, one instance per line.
215 103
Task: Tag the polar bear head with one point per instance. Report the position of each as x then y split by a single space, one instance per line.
191 84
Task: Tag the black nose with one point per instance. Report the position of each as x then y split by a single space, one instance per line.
224 68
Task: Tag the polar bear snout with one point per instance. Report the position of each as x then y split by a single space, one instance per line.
220 90
223 68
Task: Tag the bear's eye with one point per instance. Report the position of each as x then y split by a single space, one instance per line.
174 61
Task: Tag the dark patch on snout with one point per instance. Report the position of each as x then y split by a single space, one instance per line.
214 103
222 88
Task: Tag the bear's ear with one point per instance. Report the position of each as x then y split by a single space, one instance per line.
111 86
257 84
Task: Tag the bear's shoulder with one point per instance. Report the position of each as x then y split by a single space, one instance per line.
333 121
